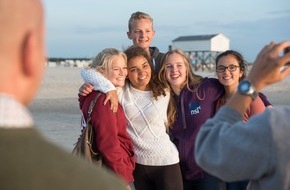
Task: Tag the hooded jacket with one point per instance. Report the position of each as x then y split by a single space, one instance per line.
193 109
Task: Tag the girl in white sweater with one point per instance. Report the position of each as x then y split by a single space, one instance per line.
145 101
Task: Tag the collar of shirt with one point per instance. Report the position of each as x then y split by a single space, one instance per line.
13 114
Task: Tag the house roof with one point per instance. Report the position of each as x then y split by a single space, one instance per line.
194 38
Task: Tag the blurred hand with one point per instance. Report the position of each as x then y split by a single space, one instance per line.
86 89
269 67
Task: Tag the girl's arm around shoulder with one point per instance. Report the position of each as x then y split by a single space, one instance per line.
214 82
99 82
265 100
213 86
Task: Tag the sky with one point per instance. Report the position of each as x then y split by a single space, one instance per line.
82 28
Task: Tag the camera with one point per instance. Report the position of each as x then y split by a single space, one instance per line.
287 50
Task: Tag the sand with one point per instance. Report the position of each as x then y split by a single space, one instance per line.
55 109
57 115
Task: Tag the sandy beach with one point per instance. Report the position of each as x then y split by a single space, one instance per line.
57 115
55 109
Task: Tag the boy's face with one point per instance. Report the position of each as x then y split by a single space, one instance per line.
142 33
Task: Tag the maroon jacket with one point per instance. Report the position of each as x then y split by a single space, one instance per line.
112 139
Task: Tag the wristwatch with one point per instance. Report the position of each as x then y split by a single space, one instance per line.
246 88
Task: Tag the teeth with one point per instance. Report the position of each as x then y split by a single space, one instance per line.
121 78
174 76
227 78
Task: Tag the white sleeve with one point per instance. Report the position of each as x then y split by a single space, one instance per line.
98 81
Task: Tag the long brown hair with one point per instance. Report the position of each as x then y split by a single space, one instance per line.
192 82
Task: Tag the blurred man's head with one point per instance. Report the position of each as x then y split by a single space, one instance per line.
22 52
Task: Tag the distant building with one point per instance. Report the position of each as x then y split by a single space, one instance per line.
68 62
202 49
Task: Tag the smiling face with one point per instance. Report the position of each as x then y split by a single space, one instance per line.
142 33
139 72
117 71
175 71
227 78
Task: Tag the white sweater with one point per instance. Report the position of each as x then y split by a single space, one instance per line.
147 119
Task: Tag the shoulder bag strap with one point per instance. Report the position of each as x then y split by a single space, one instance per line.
89 128
92 107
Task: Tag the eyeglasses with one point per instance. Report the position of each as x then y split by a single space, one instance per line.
231 68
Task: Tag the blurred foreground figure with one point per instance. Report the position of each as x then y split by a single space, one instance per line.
27 160
257 150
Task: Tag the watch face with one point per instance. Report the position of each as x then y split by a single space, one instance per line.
244 86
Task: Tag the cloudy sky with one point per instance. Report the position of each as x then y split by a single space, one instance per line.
81 28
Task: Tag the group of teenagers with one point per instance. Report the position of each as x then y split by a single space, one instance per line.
169 129
151 108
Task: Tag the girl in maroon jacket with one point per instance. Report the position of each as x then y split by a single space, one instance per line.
111 136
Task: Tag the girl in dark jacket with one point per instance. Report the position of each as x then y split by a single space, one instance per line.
193 102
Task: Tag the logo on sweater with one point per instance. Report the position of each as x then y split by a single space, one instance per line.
194 108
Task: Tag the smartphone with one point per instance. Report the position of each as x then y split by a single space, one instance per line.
287 50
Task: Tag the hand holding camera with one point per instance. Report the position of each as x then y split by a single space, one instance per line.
287 50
